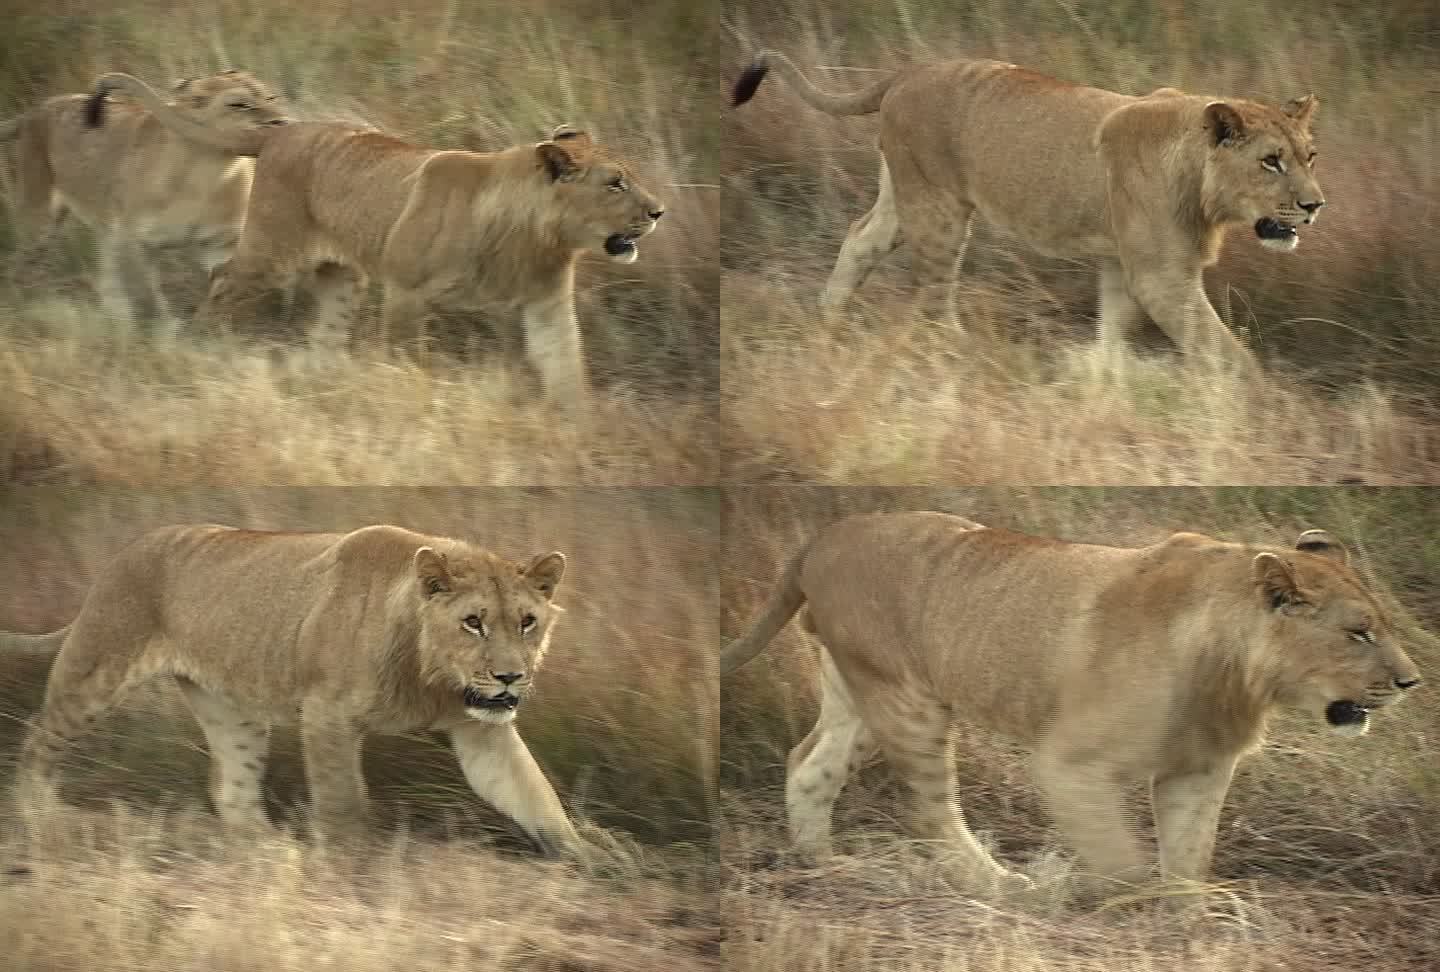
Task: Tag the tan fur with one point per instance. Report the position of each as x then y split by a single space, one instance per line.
369 631
137 183
1146 186
503 229
1114 666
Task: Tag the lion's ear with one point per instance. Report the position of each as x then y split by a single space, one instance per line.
545 571
1322 543
569 133
557 160
1302 109
1224 123
1276 580
432 573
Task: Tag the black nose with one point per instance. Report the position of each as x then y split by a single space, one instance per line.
656 213
1311 207
1406 683
508 677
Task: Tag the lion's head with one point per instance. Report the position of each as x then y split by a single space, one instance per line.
229 101
1337 653
604 207
1261 168
484 626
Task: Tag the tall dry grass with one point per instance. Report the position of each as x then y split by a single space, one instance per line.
1327 850
1006 391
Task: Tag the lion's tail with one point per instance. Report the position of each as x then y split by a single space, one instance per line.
858 103
784 602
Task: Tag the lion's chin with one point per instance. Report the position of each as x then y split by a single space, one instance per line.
1275 234
621 248
495 716
1347 718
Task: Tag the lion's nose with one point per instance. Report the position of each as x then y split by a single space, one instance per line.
1311 207
505 678
656 213
1407 683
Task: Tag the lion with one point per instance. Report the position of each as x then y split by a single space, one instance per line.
1147 186
1113 666
436 227
140 184
378 630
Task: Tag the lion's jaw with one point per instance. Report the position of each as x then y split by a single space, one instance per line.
1277 234
622 247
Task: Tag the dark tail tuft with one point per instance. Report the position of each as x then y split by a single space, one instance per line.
95 108
749 81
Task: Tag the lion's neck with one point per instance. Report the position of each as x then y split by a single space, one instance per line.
1231 695
403 695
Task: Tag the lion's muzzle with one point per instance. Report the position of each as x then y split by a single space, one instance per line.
503 701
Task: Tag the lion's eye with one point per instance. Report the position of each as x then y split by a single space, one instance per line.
527 623
475 623
617 184
1273 163
1312 158
240 106
1362 635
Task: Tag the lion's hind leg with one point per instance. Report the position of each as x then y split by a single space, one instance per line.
85 682
820 765
238 748
914 731
871 238
337 290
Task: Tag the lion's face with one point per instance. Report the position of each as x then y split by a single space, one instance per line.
1261 171
1338 654
233 100
604 207
485 626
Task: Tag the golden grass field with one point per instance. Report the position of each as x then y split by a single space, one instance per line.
727 425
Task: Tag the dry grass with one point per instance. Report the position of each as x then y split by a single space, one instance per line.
170 892
1006 391
104 411
1327 850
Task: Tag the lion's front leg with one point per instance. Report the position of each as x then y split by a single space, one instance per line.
332 745
552 342
1187 814
1086 798
1176 302
501 771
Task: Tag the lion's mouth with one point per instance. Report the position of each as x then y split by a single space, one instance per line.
1276 233
622 245
504 702
1344 713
